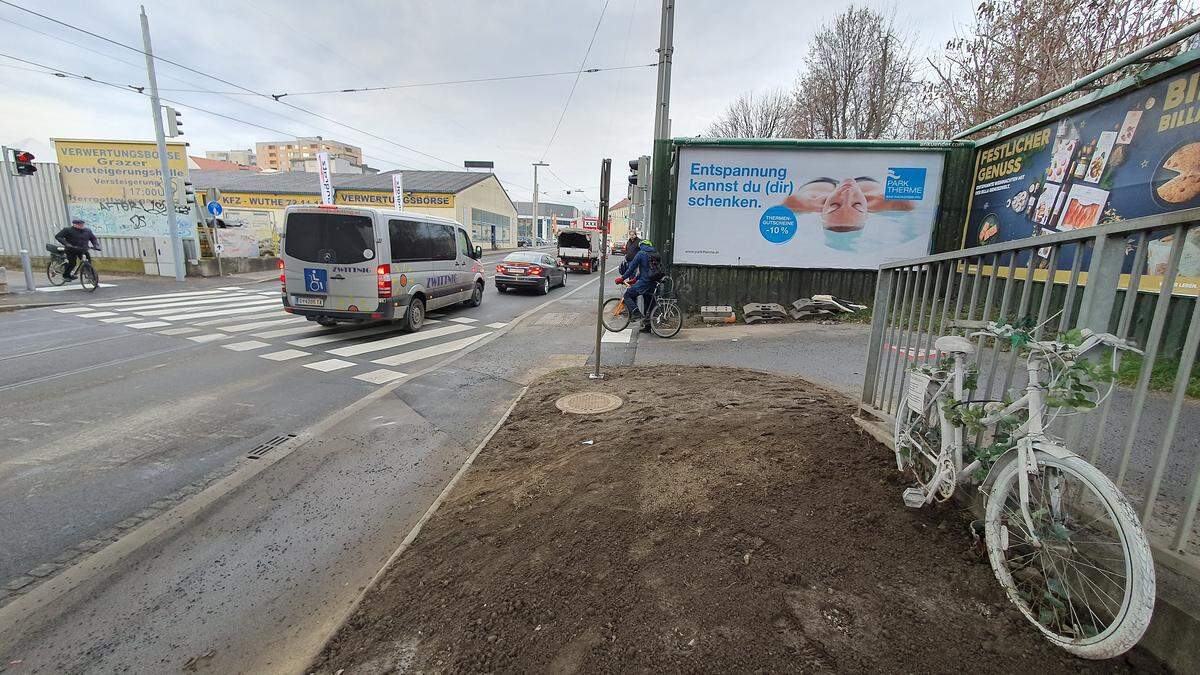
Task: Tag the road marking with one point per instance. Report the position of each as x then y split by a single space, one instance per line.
56 289
73 310
119 319
329 364
96 315
381 376
277 318
345 335
151 299
230 288
284 355
463 319
194 305
219 312
498 324
179 331
210 337
149 324
429 352
307 327
377 345
247 345
624 336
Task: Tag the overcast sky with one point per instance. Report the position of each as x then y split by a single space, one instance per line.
722 49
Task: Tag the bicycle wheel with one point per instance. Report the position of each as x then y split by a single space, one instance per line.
54 271
1088 585
88 277
666 320
615 315
918 436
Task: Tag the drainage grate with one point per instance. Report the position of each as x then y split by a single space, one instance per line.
264 448
588 403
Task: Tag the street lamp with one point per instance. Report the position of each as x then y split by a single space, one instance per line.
536 221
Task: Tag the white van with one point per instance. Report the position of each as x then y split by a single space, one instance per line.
355 264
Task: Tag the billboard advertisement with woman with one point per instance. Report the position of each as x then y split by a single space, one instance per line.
801 208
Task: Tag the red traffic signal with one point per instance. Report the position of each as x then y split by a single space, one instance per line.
24 161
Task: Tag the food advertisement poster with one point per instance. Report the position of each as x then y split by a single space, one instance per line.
116 186
774 207
1134 155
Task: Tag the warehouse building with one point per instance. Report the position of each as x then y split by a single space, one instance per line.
551 218
256 199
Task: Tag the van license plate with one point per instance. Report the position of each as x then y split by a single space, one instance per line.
303 301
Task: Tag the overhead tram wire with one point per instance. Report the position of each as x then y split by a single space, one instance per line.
232 84
571 94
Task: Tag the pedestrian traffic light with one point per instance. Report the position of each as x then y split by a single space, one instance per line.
633 171
24 160
174 122
189 193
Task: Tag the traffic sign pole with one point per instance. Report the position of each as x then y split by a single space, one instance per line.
22 236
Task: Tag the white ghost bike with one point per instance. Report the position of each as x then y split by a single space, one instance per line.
1063 541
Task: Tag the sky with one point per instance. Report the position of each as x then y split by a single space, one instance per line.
723 48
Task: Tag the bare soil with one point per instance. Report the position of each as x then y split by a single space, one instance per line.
722 521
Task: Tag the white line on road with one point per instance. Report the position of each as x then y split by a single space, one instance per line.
96 315
284 355
152 299
275 318
119 319
498 324
329 364
381 376
56 289
306 327
149 324
377 345
218 312
624 336
179 331
73 310
247 345
429 352
195 305
345 335
209 337
463 319
230 288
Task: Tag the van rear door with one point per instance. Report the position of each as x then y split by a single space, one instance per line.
330 260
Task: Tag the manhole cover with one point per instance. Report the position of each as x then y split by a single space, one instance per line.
588 403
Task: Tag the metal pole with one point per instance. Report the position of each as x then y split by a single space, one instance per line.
161 141
605 169
535 231
22 236
662 102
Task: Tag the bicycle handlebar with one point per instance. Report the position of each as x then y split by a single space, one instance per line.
1091 339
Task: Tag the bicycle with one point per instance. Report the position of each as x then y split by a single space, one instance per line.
666 319
1063 541
85 272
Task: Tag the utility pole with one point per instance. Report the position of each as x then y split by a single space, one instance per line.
662 103
22 235
605 170
535 232
161 141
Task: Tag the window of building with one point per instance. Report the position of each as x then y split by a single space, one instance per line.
482 223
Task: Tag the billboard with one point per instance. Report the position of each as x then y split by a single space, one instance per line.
793 207
116 186
1134 155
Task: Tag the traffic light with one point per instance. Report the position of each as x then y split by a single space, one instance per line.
189 193
174 122
633 171
24 160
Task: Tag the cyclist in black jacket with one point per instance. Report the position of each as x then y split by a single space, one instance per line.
76 239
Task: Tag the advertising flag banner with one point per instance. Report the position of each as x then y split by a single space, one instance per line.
794 207
398 191
325 178
1134 155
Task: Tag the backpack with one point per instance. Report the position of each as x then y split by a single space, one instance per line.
656 266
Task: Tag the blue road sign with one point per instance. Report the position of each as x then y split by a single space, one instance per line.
214 209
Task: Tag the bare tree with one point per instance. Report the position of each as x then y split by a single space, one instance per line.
1018 50
767 115
857 80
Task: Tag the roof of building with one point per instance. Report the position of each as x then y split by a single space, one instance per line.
205 164
299 182
621 204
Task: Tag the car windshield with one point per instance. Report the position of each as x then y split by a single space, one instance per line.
329 238
524 257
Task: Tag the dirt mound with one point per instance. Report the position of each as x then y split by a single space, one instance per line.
722 521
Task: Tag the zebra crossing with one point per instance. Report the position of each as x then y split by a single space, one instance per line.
251 322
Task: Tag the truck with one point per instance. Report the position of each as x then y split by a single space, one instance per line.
579 248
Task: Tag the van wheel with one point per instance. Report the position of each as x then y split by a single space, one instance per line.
414 316
476 296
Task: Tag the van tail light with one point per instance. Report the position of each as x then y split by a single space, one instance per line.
384 280
282 277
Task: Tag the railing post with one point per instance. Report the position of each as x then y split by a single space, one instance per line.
1103 278
879 312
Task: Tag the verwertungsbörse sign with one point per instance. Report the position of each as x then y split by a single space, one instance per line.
805 208
276 201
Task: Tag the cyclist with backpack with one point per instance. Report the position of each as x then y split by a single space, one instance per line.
642 273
